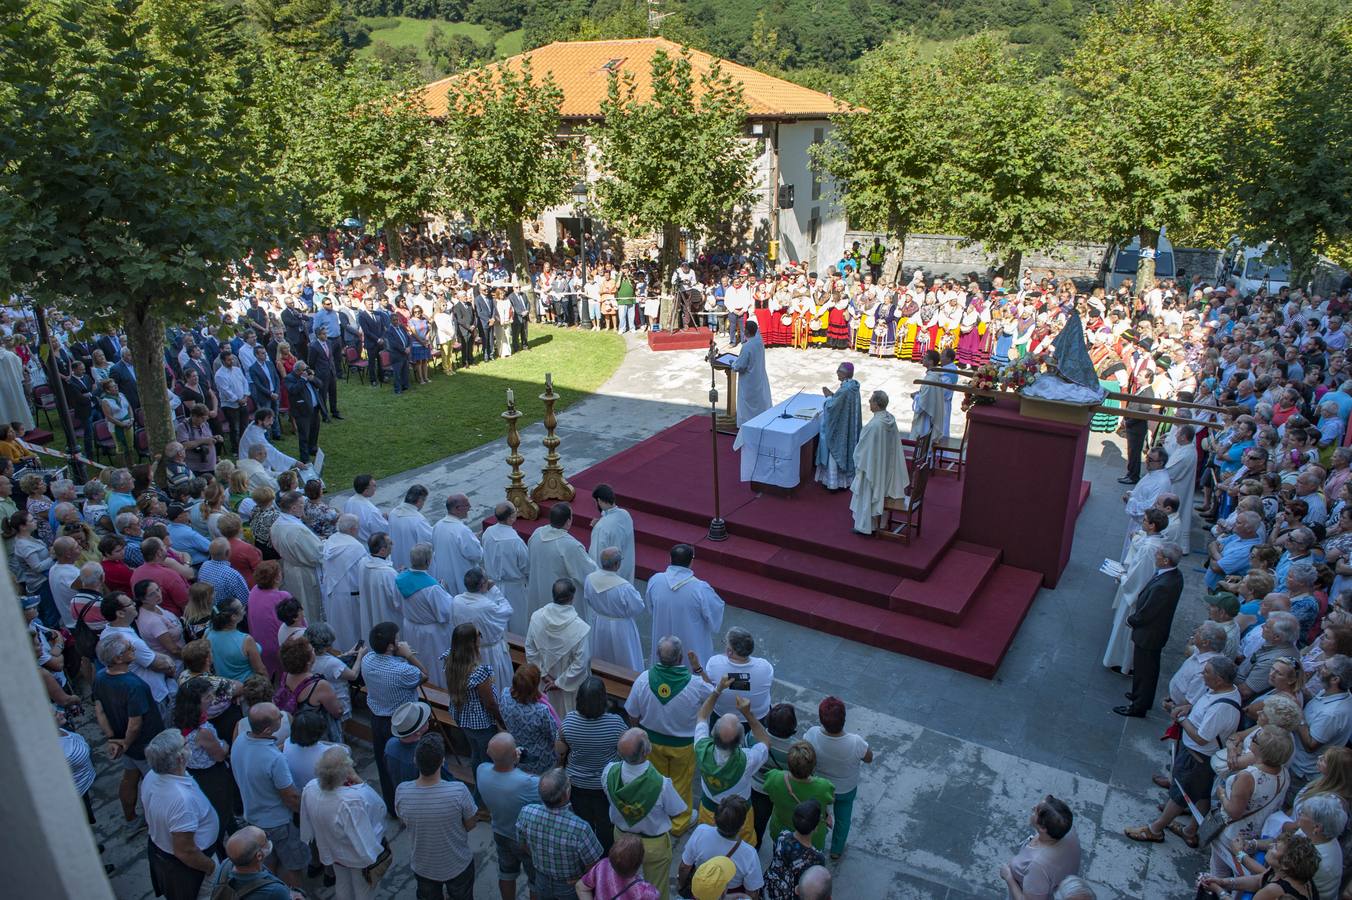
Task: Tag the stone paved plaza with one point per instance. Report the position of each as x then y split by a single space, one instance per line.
959 760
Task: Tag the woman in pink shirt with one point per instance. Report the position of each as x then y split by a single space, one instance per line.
263 621
618 875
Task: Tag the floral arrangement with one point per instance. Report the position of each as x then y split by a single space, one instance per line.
1014 377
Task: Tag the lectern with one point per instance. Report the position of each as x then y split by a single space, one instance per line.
727 422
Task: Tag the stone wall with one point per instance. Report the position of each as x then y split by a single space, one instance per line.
941 254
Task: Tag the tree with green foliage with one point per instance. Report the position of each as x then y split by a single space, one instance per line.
308 29
1157 91
1006 177
143 188
501 152
675 159
884 158
451 52
1293 158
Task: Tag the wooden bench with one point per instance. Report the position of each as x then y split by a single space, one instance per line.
618 681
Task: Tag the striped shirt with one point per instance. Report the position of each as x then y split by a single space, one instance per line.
436 814
591 746
228 583
76 749
391 681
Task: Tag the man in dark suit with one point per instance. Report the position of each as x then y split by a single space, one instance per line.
397 344
265 387
1150 624
462 313
111 345
125 376
485 316
372 322
325 368
520 319
303 390
295 326
80 398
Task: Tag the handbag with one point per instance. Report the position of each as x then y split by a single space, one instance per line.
1217 821
376 870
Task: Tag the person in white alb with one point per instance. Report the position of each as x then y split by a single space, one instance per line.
457 550
369 517
752 676
483 605
612 606
507 564
614 528
408 526
338 577
684 606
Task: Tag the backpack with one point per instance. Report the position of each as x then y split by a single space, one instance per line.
289 700
224 890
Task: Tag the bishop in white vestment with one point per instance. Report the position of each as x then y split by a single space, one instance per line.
879 466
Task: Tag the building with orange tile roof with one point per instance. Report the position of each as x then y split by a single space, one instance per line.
794 205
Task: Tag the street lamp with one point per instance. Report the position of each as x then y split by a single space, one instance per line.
580 207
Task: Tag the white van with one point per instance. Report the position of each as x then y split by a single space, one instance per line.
1263 266
1127 256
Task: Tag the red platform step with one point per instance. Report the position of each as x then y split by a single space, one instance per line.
689 339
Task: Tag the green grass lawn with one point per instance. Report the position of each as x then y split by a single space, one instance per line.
384 435
413 33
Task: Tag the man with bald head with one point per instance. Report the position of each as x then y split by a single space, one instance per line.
507 563
248 849
505 789
612 606
724 765
61 577
643 803
455 548
815 884
270 796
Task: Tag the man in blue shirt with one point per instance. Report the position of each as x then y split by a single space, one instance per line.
247 848
393 674
184 537
270 797
407 726
1230 555
505 789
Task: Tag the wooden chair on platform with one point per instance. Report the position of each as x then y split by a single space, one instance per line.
950 454
920 451
902 515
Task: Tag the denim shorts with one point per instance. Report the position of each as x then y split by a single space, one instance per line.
511 857
291 852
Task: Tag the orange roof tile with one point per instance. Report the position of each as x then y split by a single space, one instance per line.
581 69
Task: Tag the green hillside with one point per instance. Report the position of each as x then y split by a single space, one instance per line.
401 31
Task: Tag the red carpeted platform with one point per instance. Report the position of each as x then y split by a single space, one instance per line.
689 339
796 558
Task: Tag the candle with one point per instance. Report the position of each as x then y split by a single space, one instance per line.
511 398
549 383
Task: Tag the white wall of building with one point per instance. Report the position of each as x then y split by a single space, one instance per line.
814 230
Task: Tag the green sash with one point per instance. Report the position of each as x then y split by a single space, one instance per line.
637 798
719 778
667 681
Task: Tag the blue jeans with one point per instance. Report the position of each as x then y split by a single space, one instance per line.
736 327
626 318
843 811
553 888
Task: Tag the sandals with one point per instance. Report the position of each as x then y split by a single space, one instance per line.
1143 834
1181 831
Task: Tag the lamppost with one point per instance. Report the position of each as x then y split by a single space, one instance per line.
580 207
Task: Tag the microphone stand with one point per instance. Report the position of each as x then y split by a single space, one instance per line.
718 529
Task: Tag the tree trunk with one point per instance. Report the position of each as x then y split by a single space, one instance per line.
145 338
516 236
1013 264
1145 269
669 259
393 245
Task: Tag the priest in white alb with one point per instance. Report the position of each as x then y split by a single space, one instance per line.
879 466
483 605
684 606
1182 469
753 384
408 526
1139 562
379 595
614 528
557 642
14 405
613 605
256 434
929 408
456 549
301 552
507 564
369 517
338 572
426 608
555 554
1154 482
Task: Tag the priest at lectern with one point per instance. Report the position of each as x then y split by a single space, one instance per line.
753 384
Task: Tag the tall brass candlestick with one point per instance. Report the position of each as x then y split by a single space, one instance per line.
516 486
552 486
